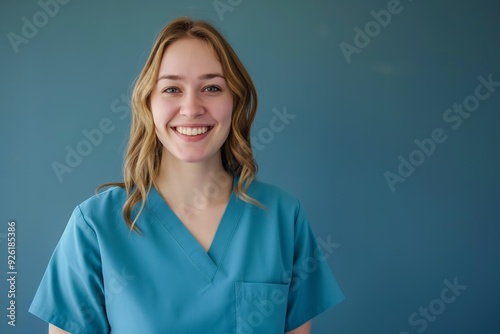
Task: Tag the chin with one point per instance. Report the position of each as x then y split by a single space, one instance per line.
192 158
190 155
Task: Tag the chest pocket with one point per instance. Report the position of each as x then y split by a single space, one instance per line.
261 308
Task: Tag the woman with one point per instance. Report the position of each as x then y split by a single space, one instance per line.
190 242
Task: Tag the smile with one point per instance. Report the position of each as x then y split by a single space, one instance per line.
191 131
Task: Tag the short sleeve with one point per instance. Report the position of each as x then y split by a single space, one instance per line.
313 288
70 295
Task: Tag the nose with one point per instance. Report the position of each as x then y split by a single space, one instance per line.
191 105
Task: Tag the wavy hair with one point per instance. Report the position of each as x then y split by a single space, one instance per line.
144 150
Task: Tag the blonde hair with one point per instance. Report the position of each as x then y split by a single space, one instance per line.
144 150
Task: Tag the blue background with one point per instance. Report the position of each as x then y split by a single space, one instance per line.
352 121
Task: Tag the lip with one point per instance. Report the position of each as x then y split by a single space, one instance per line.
192 139
194 125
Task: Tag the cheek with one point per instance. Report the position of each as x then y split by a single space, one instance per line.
158 118
160 113
225 113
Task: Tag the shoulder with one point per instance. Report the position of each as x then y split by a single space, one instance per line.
271 195
106 204
110 196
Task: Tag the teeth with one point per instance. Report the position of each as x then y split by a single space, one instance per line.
191 131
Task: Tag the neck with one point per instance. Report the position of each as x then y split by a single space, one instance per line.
193 185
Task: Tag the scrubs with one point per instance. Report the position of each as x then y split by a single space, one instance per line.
264 271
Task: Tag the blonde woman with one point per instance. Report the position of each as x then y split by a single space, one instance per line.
190 242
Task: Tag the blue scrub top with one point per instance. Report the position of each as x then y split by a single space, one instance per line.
264 272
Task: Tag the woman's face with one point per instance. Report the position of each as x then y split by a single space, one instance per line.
191 102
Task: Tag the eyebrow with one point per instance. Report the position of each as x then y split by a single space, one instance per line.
207 76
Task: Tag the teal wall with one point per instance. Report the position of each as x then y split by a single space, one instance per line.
401 184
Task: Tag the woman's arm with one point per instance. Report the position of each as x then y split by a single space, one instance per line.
56 330
304 329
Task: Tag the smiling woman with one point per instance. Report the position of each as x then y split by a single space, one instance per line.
192 111
230 265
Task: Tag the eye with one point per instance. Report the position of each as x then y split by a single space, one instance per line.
171 90
212 89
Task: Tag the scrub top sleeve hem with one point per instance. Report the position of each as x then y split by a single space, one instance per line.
51 318
313 313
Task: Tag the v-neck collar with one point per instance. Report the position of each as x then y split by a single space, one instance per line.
207 262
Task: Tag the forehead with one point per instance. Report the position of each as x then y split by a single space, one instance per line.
189 55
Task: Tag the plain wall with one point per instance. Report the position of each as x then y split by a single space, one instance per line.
360 105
